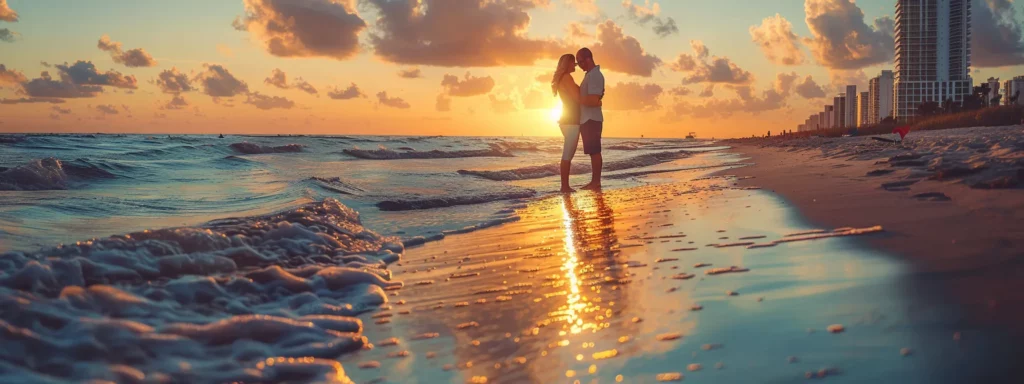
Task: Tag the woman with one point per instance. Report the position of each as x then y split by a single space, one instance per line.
563 85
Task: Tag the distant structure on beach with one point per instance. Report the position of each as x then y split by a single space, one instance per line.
851 109
1012 89
933 53
880 97
862 109
839 111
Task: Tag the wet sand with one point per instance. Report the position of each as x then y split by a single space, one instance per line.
968 239
697 280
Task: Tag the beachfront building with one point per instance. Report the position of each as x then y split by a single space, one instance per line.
829 121
933 53
993 91
821 120
862 109
839 111
851 117
880 97
1012 89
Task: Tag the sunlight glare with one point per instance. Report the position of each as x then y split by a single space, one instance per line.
556 111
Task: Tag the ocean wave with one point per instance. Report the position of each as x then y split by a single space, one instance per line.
390 154
248 148
578 168
257 299
450 201
49 174
11 139
335 184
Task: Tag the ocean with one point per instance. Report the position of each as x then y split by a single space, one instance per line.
66 188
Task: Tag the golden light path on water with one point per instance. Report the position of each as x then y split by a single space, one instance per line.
574 302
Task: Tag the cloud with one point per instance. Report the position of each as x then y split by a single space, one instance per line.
708 91
647 13
10 76
502 105
468 86
62 111
217 81
703 68
778 42
177 102
808 89
131 58
107 109
665 27
841 39
632 97
443 103
304 28
578 32
47 87
279 79
618 52
996 35
393 102
745 102
8 36
268 102
458 33
410 73
24 100
6 13
344 94
85 73
680 91
784 82
174 82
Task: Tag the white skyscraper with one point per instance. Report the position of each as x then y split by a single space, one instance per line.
933 53
862 109
880 95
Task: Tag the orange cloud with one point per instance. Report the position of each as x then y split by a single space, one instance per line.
841 39
619 52
307 28
137 57
489 33
778 42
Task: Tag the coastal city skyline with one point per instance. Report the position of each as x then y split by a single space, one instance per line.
932 65
672 68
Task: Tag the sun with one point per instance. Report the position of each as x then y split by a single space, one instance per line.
556 111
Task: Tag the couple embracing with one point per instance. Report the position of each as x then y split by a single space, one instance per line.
581 113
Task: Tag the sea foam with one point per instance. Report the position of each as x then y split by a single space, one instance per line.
257 299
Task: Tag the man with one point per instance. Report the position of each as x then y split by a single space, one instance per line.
591 118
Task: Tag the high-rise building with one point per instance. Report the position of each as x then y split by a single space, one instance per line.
880 94
1013 89
993 90
933 53
821 120
851 117
839 111
862 109
829 121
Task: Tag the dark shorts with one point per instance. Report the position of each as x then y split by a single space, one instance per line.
591 133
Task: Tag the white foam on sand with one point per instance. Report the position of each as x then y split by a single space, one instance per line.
259 299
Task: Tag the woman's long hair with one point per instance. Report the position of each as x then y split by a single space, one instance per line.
565 64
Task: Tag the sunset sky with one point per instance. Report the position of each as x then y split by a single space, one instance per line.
721 68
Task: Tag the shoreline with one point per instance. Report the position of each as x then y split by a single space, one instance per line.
970 240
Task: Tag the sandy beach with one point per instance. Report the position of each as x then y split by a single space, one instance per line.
950 201
703 279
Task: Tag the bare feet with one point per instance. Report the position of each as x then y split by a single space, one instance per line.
592 186
567 189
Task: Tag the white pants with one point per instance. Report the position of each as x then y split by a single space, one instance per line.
572 140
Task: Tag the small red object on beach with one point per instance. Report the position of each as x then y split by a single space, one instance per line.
902 130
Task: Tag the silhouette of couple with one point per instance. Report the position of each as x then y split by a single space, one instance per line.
581 113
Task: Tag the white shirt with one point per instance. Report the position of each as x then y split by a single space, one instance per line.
592 84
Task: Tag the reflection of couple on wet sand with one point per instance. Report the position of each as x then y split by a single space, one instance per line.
590 222
581 113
